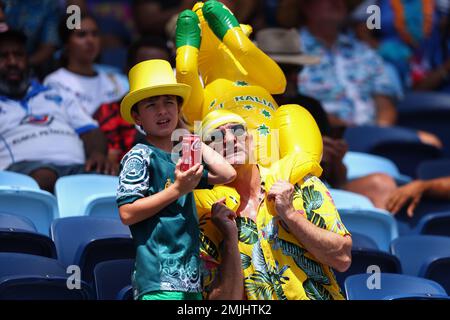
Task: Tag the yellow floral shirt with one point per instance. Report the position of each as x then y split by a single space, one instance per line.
274 263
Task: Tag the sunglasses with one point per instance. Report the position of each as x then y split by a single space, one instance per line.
238 130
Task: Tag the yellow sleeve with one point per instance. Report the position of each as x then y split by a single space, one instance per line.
313 198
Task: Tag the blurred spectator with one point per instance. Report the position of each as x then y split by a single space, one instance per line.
151 16
38 19
78 74
120 134
414 38
43 132
283 46
411 194
3 25
350 81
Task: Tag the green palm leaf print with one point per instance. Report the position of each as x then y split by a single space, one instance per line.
316 219
248 232
259 286
315 291
312 269
246 261
290 249
297 191
312 199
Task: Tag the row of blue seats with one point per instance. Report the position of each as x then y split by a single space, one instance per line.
106 261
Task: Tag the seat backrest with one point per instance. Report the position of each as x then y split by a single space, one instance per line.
424 101
414 251
437 224
10 221
15 240
360 287
407 156
111 276
15 264
379 225
434 169
42 288
37 205
360 164
102 206
71 191
438 270
362 241
350 200
72 232
100 250
365 138
14 179
365 260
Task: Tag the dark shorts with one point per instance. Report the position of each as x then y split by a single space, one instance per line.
27 167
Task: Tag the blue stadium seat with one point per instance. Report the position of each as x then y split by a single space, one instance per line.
86 241
407 156
434 169
111 276
362 259
25 276
379 225
126 293
361 241
72 192
365 138
437 269
437 224
102 206
15 240
416 297
10 221
361 164
42 288
400 145
416 101
350 200
37 205
428 111
414 251
356 286
13 179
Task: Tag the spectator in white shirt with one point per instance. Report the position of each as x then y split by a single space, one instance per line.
43 131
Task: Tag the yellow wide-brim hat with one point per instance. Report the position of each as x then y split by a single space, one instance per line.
151 78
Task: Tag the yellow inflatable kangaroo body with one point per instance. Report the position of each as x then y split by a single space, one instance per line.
239 77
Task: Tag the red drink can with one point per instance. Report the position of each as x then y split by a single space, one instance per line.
191 151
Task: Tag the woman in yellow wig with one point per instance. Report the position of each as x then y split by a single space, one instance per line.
239 77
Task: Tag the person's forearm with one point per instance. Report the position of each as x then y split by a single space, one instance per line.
438 188
220 171
328 247
147 207
230 280
386 112
94 141
335 175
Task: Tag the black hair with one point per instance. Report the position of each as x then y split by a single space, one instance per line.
16 36
65 33
147 41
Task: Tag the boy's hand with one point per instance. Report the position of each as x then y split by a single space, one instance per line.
188 180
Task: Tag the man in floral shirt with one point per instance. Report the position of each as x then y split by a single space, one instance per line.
350 80
289 236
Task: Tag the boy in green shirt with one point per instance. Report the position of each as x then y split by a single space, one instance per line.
154 196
